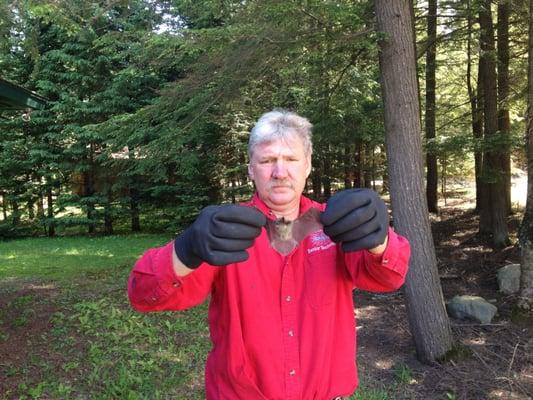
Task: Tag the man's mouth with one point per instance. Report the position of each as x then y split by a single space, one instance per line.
281 187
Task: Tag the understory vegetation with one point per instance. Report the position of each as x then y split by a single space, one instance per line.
67 330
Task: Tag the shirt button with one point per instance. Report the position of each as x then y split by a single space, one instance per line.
292 372
176 284
291 333
385 261
288 298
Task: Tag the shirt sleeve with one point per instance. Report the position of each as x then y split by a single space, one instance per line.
154 286
380 273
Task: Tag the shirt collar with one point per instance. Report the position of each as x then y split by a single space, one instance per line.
305 204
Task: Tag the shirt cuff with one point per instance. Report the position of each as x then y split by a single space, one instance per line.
168 278
389 257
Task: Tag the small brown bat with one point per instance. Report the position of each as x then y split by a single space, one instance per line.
285 235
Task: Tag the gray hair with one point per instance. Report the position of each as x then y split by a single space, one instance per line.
279 124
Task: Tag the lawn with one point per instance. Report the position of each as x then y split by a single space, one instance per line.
67 331
67 258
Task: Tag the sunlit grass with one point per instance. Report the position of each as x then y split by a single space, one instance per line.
66 257
96 345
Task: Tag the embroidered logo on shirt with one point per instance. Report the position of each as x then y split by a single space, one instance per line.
319 237
319 241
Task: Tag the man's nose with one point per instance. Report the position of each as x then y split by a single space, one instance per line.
280 170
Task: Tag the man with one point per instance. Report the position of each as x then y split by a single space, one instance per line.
282 325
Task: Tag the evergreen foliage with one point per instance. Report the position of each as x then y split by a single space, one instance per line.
151 101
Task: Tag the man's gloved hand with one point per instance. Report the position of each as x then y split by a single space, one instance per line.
356 217
219 236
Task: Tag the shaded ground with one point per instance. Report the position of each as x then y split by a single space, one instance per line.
25 319
494 362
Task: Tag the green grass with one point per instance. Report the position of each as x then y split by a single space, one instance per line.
92 344
64 258
364 393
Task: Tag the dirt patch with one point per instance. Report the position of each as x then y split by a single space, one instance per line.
491 362
26 308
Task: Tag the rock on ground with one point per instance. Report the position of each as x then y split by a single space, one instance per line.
472 307
509 278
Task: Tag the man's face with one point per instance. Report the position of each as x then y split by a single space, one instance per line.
279 169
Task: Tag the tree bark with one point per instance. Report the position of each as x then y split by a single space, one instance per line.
367 169
89 192
494 212
316 179
15 215
477 113
40 206
428 320
358 177
431 67
4 206
108 214
504 123
526 229
50 212
326 176
31 210
385 187
347 161
134 210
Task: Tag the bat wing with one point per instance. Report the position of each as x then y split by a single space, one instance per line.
306 224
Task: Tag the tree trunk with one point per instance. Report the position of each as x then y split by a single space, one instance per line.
504 123
385 177
526 229
347 166
477 114
431 67
494 212
326 177
326 183
15 215
89 192
373 172
358 176
108 215
4 206
316 175
134 210
316 180
50 213
40 206
367 162
444 168
428 320
31 211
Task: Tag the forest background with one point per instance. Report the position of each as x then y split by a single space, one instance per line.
150 104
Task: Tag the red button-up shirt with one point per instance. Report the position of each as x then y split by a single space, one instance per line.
282 327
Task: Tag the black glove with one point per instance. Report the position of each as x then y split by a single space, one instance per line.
220 235
356 217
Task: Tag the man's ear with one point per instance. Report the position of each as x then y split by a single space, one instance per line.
309 167
250 172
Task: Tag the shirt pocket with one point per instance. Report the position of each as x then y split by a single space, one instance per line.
321 278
